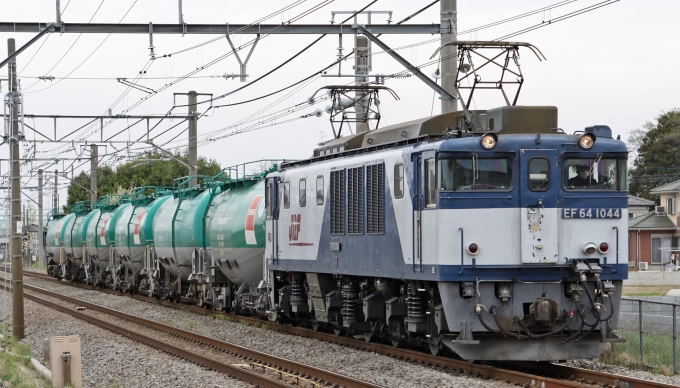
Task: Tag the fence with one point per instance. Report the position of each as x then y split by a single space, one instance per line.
650 329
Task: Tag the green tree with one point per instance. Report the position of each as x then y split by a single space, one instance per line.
150 170
656 151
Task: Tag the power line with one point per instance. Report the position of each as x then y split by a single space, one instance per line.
559 19
69 49
91 54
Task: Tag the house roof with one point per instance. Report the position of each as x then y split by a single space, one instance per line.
637 201
672 187
651 221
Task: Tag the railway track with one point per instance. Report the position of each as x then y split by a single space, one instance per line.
235 361
528 374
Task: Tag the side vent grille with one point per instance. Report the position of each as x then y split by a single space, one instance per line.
337 202
355 200
375 182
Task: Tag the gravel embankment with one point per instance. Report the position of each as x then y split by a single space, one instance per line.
619 370
109 360
363 365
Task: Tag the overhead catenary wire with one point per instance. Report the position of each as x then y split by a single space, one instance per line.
69 49
89 56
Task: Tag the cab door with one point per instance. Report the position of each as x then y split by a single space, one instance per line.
272 209
539 180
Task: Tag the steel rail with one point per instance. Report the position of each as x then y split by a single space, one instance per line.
579 377
231 371
263 359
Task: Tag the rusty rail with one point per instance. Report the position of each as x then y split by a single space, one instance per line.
559 375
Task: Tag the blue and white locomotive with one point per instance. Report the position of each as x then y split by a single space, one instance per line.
496 235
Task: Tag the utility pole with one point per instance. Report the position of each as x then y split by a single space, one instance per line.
16 238
41 247
362 61
193 131
361 69
449 66
93 173
55 197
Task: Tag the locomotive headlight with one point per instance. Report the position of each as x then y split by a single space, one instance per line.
489 141
473 248
586 141
603 248
589 248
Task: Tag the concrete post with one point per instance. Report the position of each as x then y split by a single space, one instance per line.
449 24
16 238
93 173
361 69
41 243
193 130
55 196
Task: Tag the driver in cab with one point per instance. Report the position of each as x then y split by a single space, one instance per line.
583 178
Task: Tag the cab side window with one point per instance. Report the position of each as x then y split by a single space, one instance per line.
286 195
303 193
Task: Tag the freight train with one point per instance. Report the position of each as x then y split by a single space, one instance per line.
494 234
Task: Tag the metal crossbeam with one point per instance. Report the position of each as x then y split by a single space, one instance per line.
29 43
33 116
219 29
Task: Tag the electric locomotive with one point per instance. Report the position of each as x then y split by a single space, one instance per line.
492 233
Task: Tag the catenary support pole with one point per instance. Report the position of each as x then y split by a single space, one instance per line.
41 243
449 66
55 196
16 239
93 173
361 69
193 130
58 12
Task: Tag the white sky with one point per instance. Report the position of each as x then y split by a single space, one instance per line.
617 65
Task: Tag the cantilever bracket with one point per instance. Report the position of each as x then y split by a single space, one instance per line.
238 58
413 69
49 28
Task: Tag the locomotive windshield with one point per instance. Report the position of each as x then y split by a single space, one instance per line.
475 174
594 174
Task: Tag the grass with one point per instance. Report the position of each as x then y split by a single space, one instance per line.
646 290
16 368
658 350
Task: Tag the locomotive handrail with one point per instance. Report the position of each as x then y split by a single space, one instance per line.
462 244
617 250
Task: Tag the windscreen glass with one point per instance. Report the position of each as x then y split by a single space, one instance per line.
475 174
595 174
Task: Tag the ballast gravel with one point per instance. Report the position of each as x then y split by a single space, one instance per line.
110 360
619 370
371 367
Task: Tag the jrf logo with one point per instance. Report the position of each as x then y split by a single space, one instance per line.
294 229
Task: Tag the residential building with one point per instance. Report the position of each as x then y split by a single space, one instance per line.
638 206
654 237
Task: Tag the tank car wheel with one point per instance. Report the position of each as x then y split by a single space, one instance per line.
316 325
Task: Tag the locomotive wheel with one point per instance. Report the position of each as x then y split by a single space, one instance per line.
337 332
368 336
316 326
435 349
396 343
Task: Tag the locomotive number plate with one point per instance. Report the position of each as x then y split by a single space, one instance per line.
591 213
